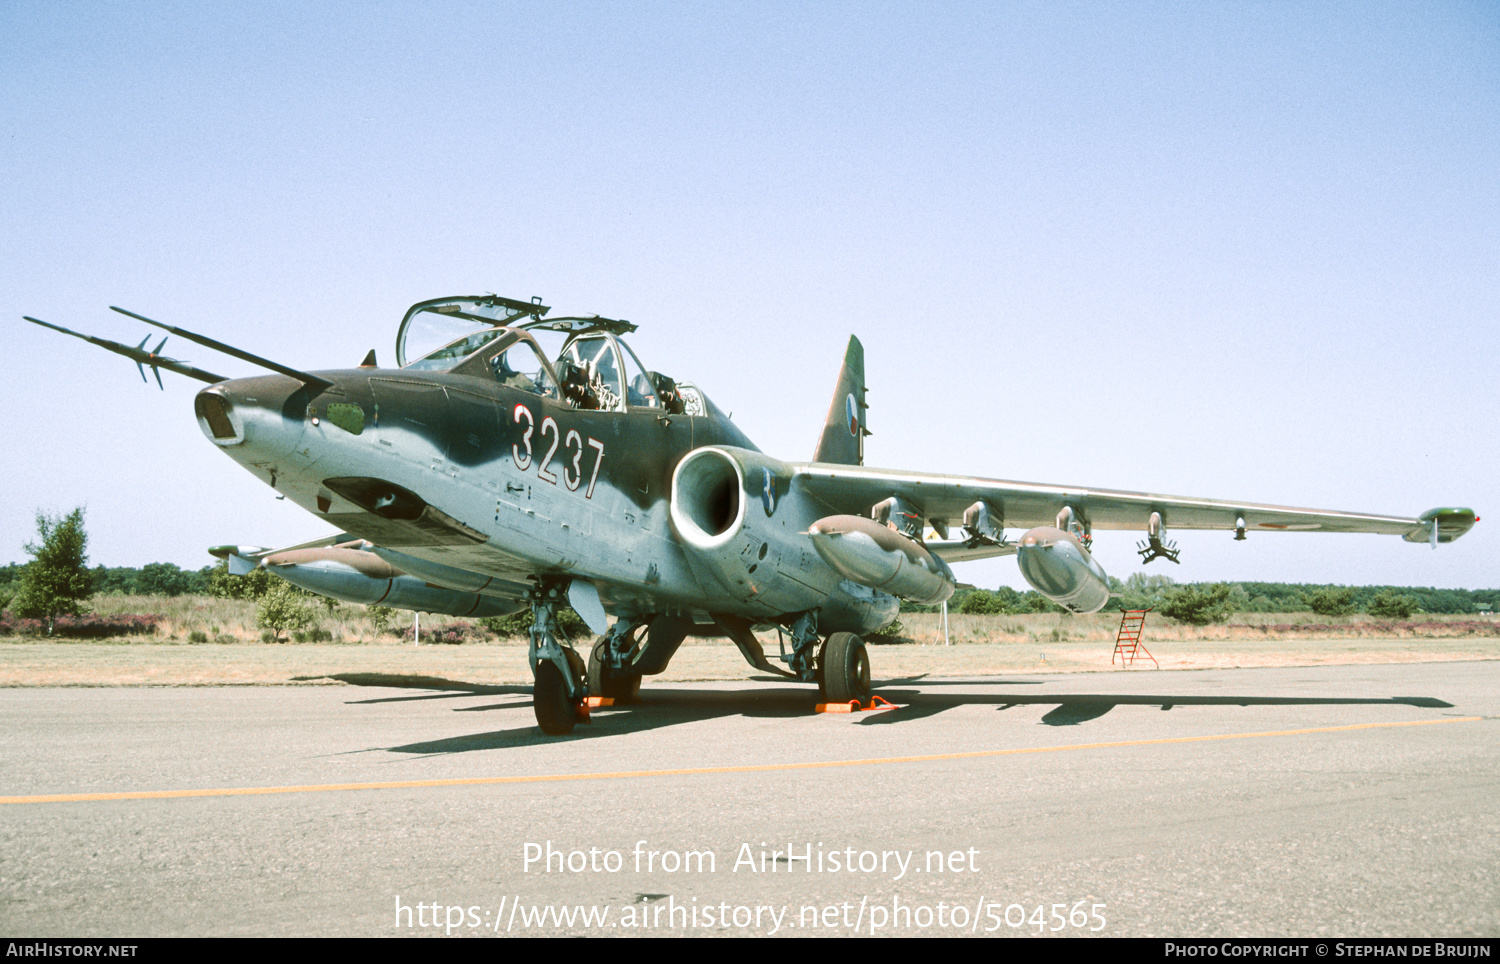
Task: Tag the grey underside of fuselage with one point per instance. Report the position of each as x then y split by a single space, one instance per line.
597 509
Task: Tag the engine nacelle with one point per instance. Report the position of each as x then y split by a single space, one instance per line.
1059 567
745 529
864 551
739 539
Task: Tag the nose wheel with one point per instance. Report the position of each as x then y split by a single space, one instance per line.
556 711
559 689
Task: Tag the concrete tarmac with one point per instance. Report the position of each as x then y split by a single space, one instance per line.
1315 802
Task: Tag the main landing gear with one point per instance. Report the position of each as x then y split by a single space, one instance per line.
841 667
610 662
838 664
844 667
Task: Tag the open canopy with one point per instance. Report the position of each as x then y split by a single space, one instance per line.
581 359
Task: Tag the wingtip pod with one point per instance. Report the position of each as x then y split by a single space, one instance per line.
1441 525
242 559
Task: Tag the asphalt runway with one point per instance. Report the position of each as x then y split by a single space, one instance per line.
1327 801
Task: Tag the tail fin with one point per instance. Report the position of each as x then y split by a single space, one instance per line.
843 440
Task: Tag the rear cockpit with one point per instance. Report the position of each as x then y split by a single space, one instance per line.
581 361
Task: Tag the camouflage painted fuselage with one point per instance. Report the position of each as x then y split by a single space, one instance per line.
483 487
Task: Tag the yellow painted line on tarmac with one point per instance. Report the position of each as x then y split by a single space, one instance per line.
696 771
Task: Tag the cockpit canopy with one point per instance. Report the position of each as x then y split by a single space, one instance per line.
579 360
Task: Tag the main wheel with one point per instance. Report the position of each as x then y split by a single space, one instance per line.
846 669
622 687
555 713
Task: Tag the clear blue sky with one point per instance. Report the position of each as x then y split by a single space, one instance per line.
1246 251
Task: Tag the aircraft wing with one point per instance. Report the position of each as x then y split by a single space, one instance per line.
968 550
854 489
242 559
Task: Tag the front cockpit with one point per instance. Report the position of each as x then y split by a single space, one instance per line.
580 361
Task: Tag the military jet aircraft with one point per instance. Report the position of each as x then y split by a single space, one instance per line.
513 460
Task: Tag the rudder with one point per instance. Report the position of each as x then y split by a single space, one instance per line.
843 439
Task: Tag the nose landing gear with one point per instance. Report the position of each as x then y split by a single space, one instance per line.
558 690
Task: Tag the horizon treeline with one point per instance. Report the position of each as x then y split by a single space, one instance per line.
152 579
1138 592
1154 592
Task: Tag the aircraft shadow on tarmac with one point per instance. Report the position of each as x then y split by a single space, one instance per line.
448 689
664 708
1075 708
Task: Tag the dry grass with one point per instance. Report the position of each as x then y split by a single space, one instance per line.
235 619
983 646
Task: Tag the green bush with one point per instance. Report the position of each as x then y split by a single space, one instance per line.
282 609
892 633
162 579
253 585
519 624
982 602
57 582
1140 591
1196 605
381 618
1388 604
1333 601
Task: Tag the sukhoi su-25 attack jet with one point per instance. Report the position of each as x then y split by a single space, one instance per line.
513 460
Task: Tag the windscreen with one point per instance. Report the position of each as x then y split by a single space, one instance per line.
429 334
455 351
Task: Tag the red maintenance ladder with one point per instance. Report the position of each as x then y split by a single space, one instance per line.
1128 645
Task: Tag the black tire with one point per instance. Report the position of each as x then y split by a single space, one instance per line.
846 669
620 687
555 713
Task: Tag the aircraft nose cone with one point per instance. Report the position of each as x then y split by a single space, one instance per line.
253 417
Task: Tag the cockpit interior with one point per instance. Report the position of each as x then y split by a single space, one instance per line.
581 362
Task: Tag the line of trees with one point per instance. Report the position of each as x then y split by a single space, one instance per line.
57 582
152 579
1214 602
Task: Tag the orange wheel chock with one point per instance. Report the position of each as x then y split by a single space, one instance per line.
593 701
854 706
